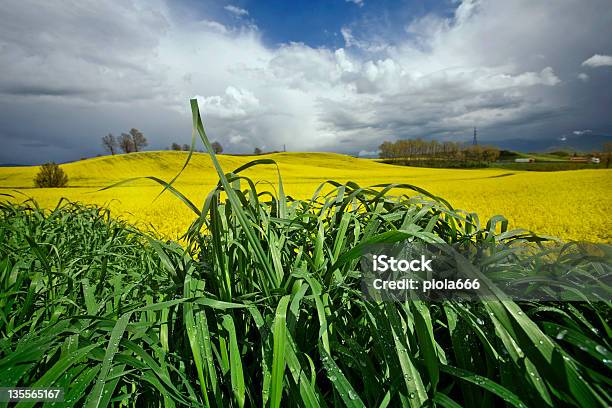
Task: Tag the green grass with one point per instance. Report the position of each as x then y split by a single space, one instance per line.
544 162
264 308
548 166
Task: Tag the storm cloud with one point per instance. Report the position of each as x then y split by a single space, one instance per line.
75 71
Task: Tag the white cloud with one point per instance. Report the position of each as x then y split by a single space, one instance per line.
357 2
582 132
598 60
368 45
583 77
440 79
347 35
240 12
235 103
214 26
237 139
368 153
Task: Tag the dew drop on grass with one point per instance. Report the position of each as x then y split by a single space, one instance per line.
561 334
352 395
480 321
601 349
411 395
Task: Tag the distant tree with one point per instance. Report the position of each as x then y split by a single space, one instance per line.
257 151
51 175
386 149
138 139
217 148
419 149
490 153
110 143
186 147
126 143
607 153
175 146
561 153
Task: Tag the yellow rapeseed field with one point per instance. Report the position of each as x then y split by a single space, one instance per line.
573 205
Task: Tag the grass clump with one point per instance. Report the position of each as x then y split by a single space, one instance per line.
264 308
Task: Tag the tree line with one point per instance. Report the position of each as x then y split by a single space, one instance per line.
133 141
216 146
418 149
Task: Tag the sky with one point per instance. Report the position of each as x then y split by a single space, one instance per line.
318 75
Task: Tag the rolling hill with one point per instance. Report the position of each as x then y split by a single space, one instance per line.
571 204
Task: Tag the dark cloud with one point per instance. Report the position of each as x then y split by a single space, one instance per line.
35 144
74 71
41 90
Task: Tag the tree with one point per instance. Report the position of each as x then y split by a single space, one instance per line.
257 151
138 139
51 175
491 154
607 153
175 146
126 143
217 148
186 147
110 143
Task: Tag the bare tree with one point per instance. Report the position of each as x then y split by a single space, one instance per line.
110 143
138 139
257 151
126 143
217 148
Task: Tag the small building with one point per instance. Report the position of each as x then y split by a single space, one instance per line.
595 160
579 159
525 160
